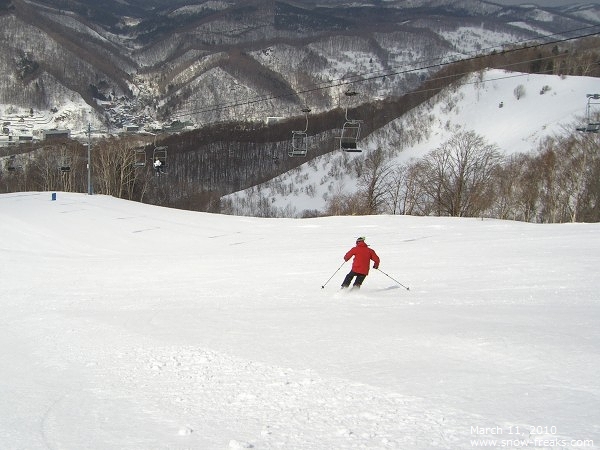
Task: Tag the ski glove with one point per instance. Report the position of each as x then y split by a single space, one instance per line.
375 266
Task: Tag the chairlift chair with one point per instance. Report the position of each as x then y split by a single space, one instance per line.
591 126
11 164
300 139
139 157
350 131
350 136
160 154
64 164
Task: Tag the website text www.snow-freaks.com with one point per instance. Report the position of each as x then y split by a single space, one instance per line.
541 437
532 443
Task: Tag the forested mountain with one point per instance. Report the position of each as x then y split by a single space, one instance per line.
153 62
204 76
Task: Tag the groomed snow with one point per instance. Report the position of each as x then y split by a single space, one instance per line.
128 326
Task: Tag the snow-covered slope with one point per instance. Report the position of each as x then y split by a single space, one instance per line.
488 105
485 103
127 326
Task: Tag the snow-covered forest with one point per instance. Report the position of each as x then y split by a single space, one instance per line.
224 92
500 144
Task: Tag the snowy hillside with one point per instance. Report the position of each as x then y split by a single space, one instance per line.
485 103
150 64
127 326
549 105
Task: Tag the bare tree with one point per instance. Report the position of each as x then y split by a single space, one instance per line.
57 167
575 168
115 170
517 189
519 92
375 181
346 204
457 176
396 198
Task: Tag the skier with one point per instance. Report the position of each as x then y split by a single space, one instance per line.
157 165
363 255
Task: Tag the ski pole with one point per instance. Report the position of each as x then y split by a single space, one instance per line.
323 287
405 287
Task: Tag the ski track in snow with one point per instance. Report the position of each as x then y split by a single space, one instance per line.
193 397
197 398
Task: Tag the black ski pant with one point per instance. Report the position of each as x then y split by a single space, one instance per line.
359 279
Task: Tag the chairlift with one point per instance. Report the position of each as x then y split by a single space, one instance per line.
11 165
64 164
350 136
300 139
159 158
591 126
350 131
139 157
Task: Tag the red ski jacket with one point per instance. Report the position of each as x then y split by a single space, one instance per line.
362 258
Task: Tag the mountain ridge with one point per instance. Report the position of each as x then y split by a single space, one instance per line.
131 60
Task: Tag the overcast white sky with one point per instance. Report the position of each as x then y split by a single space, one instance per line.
547 2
